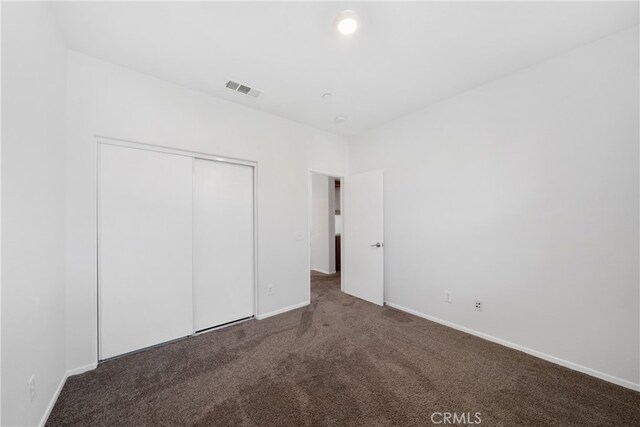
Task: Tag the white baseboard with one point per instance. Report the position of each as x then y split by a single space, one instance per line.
55 396
282 310
82 369
52 403
544 356
323 271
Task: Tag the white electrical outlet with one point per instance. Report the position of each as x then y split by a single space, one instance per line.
31 388
478 305
447 297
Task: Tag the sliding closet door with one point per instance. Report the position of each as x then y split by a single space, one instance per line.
222 243
145 248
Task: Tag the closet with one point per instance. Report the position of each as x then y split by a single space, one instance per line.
222 243
175 245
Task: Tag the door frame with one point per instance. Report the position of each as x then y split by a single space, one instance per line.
335 175
104 140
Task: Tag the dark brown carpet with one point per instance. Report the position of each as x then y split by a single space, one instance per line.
338 361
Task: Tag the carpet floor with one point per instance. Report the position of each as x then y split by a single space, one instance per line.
338 361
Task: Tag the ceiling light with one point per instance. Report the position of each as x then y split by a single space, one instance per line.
347 22
326 95
340 119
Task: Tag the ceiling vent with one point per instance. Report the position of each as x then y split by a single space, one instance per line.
237 87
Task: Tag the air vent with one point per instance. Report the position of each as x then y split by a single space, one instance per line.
237 87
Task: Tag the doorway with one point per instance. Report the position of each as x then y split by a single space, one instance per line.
325 233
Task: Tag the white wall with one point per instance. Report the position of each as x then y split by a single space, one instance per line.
33 216
523 193
107 100
323 258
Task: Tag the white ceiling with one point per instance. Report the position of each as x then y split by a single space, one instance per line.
403 57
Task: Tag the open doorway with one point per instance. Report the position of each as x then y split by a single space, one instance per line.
325 246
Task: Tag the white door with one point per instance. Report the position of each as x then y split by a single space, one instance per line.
363 259
222 243
145 221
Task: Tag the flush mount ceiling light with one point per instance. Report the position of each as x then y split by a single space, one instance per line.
347 22
340 119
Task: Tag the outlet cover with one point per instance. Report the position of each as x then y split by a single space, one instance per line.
478 305
447 297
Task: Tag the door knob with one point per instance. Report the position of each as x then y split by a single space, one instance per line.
376 245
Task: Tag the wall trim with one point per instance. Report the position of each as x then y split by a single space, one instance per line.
282 310
52 403
82 369
538 354
322 271
63 380
91 366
